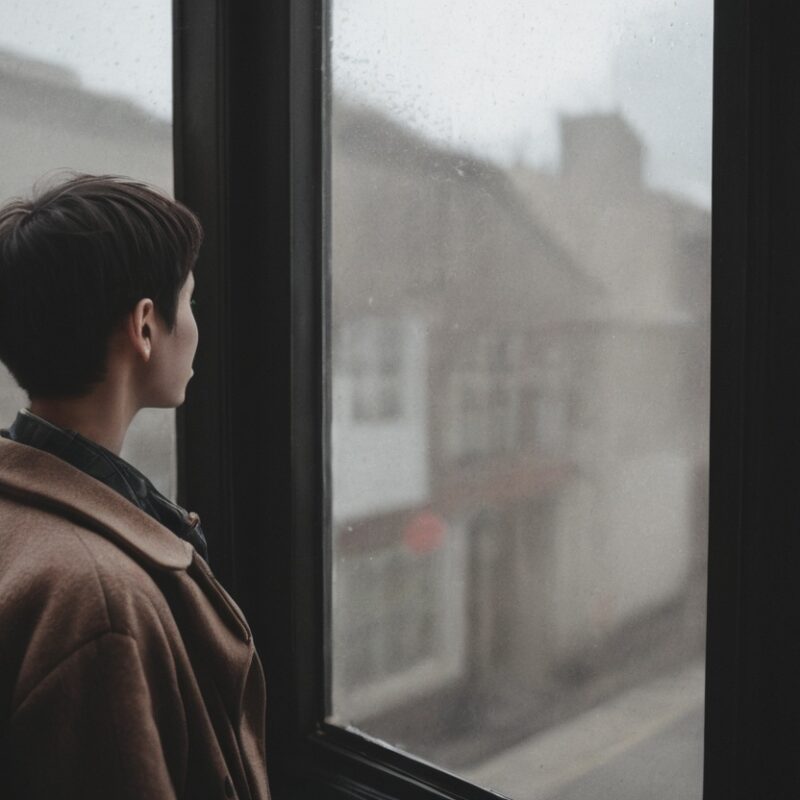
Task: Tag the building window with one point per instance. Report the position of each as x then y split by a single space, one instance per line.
374 360
405 621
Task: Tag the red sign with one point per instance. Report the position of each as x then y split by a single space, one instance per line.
425 532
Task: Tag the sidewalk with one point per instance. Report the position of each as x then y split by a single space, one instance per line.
543 766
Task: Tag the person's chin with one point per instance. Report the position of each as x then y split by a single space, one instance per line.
177 398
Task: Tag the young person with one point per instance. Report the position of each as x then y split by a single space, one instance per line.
126 671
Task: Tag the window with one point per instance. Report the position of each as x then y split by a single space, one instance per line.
566 585
406 642
487 406
266 390
373 369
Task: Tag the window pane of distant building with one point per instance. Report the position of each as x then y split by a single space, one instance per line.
87 86
520 223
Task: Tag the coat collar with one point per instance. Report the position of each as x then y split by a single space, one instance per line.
39 479
109 468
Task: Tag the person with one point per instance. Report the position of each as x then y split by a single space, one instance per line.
126 670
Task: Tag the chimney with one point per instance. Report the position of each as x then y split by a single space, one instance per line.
601 152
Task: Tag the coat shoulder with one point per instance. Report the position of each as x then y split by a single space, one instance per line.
63 585
49 556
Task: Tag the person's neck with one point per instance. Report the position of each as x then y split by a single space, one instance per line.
104 415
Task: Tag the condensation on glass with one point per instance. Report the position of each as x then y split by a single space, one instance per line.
86 86
519 342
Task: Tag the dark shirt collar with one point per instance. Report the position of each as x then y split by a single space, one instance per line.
110 469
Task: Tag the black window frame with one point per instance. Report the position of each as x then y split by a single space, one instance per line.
251 158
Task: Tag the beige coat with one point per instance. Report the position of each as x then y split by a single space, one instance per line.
126 671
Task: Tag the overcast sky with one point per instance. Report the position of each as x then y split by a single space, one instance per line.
489 76
493 76
115 47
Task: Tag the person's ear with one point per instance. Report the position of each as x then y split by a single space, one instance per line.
140 327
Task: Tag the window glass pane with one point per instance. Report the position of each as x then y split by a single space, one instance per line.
520 236
87 86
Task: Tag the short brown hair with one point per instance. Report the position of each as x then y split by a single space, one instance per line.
74 260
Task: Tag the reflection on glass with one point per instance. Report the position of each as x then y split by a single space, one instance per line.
520 232
80 91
